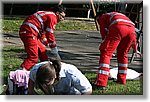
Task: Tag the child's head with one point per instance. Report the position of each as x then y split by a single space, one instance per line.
47 74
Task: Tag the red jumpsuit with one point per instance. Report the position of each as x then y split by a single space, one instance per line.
35 30
118 33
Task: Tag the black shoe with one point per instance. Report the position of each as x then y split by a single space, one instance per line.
94 86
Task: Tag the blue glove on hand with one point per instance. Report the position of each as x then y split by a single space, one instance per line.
54 51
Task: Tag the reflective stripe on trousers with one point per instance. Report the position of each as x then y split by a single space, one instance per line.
103 71
122 65
103 65
122 71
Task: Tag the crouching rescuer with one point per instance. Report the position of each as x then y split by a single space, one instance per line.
37 32
118 33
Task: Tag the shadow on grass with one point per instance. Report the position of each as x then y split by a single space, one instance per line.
12 49
10 35
14 17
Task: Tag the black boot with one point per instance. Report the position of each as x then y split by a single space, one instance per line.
94 86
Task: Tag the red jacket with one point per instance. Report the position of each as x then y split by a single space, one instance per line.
45 21
112 19
108 19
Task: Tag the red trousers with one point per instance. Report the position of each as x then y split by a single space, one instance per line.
120 38
33 46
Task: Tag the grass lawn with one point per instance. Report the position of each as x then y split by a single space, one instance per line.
13 56
10 24
12 60
132 87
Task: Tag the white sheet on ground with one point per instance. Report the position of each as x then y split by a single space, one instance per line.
131 74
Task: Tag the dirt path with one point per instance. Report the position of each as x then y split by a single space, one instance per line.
80 48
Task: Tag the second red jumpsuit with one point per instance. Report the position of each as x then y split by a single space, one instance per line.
31 33
118 33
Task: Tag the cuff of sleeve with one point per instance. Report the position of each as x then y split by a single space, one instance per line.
52 45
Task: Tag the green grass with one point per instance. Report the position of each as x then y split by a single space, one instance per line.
75 25
12 24
12 60
132 87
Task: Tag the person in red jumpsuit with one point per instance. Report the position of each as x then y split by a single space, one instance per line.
118 33
37 32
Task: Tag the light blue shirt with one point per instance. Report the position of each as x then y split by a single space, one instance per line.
72 81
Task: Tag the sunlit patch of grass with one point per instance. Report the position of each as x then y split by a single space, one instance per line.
132 87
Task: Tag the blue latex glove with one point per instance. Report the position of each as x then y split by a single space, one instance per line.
54 51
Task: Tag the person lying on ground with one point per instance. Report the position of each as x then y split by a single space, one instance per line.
56 77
